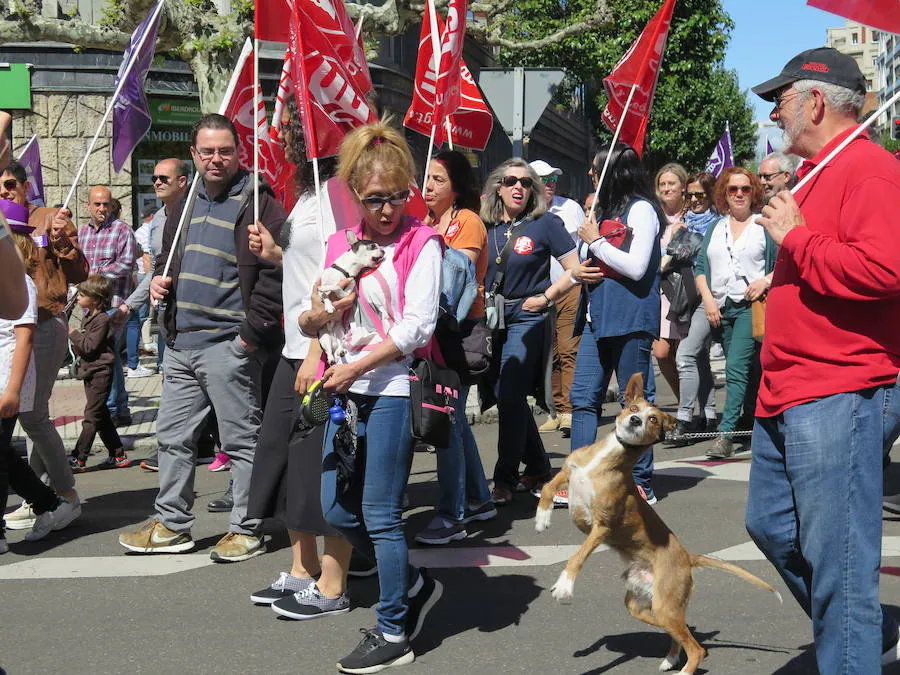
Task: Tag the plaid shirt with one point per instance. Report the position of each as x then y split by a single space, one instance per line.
110 251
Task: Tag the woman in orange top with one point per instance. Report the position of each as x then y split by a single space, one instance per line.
453 200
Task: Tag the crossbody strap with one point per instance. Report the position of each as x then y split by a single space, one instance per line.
497 285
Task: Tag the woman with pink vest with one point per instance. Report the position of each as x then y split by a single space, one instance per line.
393 317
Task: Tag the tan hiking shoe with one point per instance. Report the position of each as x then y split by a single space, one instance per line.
565 421
21 519
552 424
154 537
235 547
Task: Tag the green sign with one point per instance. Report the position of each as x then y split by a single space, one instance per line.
15 86
174 112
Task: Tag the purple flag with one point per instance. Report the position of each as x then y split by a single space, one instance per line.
131 117
723 155
30 159
769 148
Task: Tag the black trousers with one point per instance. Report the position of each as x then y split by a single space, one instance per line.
16 474
97 419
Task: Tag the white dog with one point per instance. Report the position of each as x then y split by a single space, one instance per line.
363 254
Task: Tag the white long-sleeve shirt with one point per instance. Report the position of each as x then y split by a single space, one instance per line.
644 223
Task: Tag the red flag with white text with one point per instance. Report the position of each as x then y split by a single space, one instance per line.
449 82
272 164
881 14
638 67
333 22
471 121
330 105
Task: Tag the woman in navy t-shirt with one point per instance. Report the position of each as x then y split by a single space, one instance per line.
514 210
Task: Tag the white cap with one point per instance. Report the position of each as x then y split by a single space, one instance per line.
542 169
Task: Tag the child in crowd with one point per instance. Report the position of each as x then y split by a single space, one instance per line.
93 340
17 384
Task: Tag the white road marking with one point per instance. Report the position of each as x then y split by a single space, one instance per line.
104 566
732 470
496 556
890 548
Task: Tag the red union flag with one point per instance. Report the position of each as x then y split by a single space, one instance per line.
333 22
881 14
329 104
471 121
271 20
240 109
449 82
639 68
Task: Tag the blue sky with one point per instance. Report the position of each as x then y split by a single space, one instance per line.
767 34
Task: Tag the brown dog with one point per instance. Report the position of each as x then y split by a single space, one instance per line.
605 504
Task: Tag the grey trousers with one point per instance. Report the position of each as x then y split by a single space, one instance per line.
227 379
46 453
694 373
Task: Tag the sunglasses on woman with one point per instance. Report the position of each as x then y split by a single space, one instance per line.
550 180
696 195
376 202
10 184
509 181
743 189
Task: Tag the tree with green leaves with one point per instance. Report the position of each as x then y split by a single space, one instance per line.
695 94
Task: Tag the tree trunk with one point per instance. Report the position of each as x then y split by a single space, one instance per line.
212 71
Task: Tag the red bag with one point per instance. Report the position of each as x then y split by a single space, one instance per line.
619 235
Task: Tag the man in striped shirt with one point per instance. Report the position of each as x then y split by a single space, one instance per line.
221 321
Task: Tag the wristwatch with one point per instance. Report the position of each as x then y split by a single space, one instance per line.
547 298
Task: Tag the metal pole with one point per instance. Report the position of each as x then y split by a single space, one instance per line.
518 111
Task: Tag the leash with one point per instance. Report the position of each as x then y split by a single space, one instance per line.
709 434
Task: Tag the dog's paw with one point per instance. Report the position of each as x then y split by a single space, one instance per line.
542 519
563 589
670 662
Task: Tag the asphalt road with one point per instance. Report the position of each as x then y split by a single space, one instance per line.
75 603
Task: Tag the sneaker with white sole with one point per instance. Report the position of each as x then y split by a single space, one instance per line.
310 603
21 519
221 462
237 547
485 511
373 654
140 371
64 513
422 598
561 498
154 537
442 531
283 587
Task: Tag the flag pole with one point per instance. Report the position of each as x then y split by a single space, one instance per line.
843 144
257 101
449 128
27 145
112 104
436 60
730 144
321 210
223 106
612 144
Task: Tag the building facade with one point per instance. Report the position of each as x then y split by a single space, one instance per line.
861 43
888 78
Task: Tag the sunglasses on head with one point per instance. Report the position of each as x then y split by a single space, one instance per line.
162 179
10 184
525 181
743 189
550 180
696 195
377 202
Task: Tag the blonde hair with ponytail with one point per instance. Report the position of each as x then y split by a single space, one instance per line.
376 148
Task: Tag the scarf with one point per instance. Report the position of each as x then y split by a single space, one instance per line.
699 222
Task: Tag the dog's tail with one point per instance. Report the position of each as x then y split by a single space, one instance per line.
709 561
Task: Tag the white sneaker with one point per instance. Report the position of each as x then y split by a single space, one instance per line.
150 348
20 519
60 517
140 371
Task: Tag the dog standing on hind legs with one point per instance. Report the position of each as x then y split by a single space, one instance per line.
605 504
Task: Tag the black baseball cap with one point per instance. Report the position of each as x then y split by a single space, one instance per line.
824 64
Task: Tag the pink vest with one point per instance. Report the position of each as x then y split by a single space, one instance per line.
413 237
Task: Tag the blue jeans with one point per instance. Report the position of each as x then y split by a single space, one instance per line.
133 334
375 526
118 395
814 509
597 360
521 346
459 470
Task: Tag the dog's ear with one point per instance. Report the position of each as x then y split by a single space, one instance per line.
351 237
634 390
668 423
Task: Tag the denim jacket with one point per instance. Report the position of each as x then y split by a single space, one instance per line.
459 287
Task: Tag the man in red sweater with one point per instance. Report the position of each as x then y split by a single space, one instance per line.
829 404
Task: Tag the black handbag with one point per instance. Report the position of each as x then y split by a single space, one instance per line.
466 346
433 393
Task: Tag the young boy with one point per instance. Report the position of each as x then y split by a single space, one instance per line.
94 341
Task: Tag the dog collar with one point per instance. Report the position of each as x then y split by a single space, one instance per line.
341 270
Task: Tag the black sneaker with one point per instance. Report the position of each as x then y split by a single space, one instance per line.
223 503
484 511
283 587
891 503
361 567
310 603
374 654
678 437
421 603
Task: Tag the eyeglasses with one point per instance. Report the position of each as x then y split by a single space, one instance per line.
525 181
696 195
784 96
162 179
743 189
769 176
377 202
549 180
224 153
10 184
